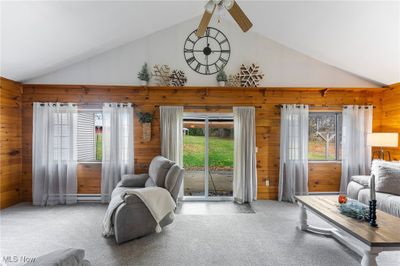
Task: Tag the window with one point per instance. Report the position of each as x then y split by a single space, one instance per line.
89 139
62 128
325 136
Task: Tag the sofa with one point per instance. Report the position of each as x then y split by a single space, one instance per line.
62 257
387 186
132 219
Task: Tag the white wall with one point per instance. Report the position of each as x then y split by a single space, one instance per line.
282 66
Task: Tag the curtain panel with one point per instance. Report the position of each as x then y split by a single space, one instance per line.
356 154
118 146
293 168
245 171
54 154
171 130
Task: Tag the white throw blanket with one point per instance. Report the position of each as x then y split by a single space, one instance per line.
158 200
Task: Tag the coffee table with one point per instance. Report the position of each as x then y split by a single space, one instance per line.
365 240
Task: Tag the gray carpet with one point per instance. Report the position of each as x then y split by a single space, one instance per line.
267 237
212 208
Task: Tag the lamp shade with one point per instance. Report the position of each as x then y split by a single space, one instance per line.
383 139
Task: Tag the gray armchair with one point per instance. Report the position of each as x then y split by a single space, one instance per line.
62 257
132 219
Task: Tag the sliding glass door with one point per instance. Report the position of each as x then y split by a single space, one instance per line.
208 156
194 156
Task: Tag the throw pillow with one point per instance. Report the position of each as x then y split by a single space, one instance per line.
388 180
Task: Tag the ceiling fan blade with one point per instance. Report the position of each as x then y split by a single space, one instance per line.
204 22
240 17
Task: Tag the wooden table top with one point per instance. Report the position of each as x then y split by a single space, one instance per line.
387 234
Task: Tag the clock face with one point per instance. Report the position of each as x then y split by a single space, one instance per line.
208 54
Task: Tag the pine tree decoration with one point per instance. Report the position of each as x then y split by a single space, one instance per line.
221 77
144 75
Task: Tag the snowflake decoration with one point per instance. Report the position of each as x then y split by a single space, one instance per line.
178 78
250 76
233 81
161 75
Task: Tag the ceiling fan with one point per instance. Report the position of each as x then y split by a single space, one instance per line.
234 9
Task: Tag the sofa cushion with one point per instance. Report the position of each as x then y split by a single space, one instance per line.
158 169
134 180
388 180
361 179
388 203
173 180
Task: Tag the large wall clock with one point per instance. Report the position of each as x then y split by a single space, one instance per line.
209 54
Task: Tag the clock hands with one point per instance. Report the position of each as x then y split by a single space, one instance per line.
213 51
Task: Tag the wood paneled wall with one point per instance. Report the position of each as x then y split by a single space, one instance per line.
322 177
11 142
391 115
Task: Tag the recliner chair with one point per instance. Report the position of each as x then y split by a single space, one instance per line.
132 219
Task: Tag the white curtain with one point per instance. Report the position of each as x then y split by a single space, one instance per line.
245 171
54 154
171 130
293 168
356 154
118 142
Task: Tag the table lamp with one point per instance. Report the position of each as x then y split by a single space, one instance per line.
383 140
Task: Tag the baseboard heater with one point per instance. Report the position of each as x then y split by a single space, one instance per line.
97 197
89 197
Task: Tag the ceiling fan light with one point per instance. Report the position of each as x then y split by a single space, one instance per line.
220 12
228 3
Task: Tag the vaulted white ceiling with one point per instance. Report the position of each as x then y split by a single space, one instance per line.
39 37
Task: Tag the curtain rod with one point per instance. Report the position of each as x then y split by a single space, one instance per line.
134 105
61 104
324 106
209 106
84 104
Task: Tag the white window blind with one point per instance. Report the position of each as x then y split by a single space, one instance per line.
86 137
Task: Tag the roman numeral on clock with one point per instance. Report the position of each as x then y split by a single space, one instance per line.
223 60
190 60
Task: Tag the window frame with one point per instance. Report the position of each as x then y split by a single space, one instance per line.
337 115
94 110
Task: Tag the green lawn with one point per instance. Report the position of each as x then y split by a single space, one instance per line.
316 151
220 152
99 147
